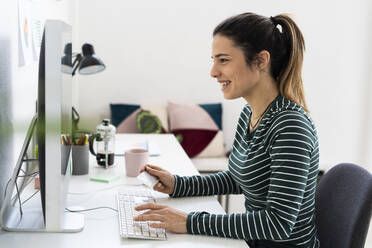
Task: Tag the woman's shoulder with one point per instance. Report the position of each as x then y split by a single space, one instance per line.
286 114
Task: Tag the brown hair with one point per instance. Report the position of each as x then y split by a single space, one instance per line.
254 33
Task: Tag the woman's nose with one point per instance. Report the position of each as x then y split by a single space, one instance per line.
214 72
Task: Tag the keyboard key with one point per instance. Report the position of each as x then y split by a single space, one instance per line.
153 234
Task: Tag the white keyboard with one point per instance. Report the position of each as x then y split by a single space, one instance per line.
127 201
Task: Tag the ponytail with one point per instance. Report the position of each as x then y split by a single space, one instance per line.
290 77
254 33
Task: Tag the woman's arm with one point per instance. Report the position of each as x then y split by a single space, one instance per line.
215 184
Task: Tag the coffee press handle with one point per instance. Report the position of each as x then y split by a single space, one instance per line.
91 141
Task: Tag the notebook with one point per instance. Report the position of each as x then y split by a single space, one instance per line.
151 146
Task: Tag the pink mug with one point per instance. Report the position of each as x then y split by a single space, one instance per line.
135 159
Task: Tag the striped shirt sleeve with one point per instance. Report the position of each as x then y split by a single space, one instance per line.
290 151
215 184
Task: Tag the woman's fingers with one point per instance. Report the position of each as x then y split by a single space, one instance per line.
151 206
159 186
154 172
154 167
157 225
170 219
149 217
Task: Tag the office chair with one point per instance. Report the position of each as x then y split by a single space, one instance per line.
343 206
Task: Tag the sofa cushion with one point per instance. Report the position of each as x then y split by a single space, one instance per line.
198 128
131 118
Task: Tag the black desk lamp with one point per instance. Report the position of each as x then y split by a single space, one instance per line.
88 63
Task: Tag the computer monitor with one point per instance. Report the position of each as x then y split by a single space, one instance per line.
53 135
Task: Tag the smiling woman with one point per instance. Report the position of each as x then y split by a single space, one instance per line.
275 155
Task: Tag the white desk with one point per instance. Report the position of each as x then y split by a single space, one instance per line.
101 226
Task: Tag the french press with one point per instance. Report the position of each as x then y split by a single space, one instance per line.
105 143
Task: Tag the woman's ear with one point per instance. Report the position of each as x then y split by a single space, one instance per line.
263 60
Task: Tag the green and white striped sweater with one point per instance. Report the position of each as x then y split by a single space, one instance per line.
276 169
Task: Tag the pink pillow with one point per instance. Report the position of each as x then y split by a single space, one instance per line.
198 128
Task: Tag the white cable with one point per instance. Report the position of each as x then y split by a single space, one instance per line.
90 209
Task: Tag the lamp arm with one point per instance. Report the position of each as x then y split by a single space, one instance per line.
76 63
76 115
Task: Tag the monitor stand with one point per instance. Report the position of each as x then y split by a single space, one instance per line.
31 219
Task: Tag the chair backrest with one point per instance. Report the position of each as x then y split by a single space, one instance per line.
343 206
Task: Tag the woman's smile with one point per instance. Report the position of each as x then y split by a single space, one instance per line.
224 84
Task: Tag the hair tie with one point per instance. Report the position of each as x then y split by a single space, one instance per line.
274 21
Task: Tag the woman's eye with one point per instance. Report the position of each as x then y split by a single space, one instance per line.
223 60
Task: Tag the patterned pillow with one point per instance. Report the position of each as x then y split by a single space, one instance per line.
145 118
148 123
198 128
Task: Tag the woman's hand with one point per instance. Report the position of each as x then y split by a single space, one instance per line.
170 219
166 180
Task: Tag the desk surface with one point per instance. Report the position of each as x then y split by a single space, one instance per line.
101 226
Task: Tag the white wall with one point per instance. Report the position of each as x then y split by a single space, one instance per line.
25 78
160 50
367 148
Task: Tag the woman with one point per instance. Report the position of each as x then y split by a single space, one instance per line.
275 155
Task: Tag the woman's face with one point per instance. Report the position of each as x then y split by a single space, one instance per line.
236 78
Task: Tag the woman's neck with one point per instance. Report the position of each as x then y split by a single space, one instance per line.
262 96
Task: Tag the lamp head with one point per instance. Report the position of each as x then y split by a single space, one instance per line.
90 63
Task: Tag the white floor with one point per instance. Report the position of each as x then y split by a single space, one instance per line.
236 205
